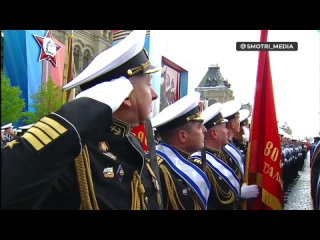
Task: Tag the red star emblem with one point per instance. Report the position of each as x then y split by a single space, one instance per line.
49 48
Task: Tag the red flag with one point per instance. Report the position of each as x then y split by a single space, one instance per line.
264 152
140 132
70 69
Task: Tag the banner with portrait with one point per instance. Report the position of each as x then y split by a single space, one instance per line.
169 86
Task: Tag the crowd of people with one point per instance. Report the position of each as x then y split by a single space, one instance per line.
8 133
294 153
90 160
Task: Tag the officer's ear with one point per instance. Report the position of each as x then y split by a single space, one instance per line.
214 133
128 101
182 135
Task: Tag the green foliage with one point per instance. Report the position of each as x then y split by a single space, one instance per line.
47 100
11 101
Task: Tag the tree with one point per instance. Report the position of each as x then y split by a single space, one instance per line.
11 102
47 100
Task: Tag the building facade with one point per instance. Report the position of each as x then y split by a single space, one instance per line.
87 45
213 87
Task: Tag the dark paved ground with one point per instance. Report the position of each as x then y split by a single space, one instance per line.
298 195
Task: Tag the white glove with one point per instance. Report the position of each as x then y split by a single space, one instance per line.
249 191
112 93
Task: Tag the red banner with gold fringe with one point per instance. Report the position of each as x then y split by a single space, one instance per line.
264 151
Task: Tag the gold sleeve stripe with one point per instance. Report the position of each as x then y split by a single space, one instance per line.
57 126
47 129
41 135
33 141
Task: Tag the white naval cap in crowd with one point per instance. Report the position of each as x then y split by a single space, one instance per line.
17 130
9 125
244 114
125 59
26 127
212 116
180 112
249 119
281 132
231 109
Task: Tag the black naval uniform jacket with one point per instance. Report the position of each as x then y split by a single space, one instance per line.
221 196
241 145
38 169
232 163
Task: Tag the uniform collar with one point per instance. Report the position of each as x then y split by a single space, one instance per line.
120 128
237 141
213 150
184 154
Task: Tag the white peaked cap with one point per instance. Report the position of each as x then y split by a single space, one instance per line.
9 125
212 115
211 111
26 127
230 108
244 114
111 58
187 105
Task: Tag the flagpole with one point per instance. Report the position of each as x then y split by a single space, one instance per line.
69 94
45 68
264 151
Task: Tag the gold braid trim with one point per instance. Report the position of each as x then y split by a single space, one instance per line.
196 201
228 197
271 201
140 68
138 193
87 194
171 189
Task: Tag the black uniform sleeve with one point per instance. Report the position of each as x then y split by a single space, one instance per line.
30 164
